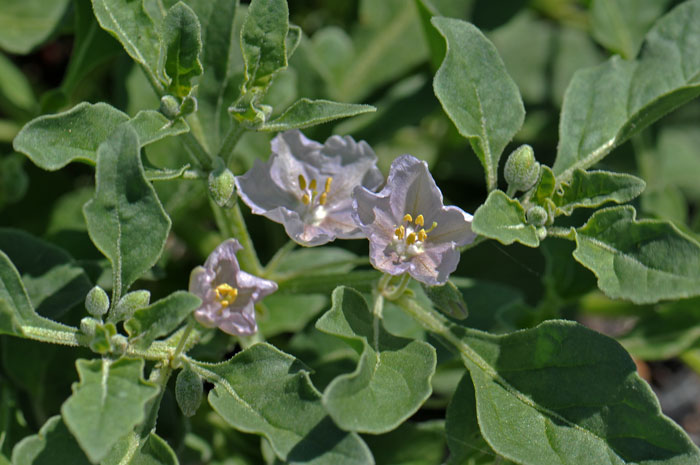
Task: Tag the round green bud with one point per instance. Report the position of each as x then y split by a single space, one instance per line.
170 106
536 216
222 186
88 325
522 170
188 391
189 105
541 233
128 304
97 302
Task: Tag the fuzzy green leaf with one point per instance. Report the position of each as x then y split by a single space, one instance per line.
263 41
107 403
503 219
392 378
607 104
53 444
15 88
151 450
410 444
561 393
129 22
267 392
643 261
182 46
477 93
305 112
590 189
160 318
125 219
24 24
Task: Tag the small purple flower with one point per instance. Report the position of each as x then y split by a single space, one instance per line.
307 186
228 294
408 228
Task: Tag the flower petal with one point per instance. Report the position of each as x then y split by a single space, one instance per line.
454 225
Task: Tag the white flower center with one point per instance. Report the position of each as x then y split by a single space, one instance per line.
410 236
315 202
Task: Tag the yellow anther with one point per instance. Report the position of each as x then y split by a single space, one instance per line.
400 232
328 185
322 199
305 199
411 239
408 217
420 221
302 182
225 294
434 225
312 184
422 235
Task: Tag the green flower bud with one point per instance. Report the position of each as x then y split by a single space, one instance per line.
88 325
128 304
536 216
541 233
189 105
188 391
97 302
222 186
170 106
522 170
448 299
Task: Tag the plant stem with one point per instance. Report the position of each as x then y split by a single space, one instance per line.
231 224
196 151
230 140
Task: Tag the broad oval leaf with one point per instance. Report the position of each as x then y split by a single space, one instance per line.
267 392
392 378
24 24
182 46
606 105
503 219
107 403
263 41
560 393
125 219
306 112
643 261
477 93
129 22
134 450
590 189
53 444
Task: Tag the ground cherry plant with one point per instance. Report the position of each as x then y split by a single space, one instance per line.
329 233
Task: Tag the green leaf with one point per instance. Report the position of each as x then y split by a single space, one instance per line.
666 333
54 282
53 141
642 261
182 45
392 378
410 444
561 393
53 444
267 392
606 105
620 25
305 112
14 86
263 43
325 283
16 311
107 403
24 24
477 94
294 35
316 260
125 219
160 318
590 189
575 50
289 313
503 219
151 450
128 21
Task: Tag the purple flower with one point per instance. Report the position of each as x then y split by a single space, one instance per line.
307 186
228 294
408 228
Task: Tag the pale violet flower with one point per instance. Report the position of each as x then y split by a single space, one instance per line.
228 294
307 186
408 228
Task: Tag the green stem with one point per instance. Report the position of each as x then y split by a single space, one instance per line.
181 343
230 140
276 259
196 151
398 290
564 233
231 224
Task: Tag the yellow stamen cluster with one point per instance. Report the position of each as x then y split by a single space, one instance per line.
225 294
312 186
412 237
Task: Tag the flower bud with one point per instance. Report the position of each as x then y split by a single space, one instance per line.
522 170
170 106
188 391
88 325
222 186
97 302
536 216
128 304
448 299
541 233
